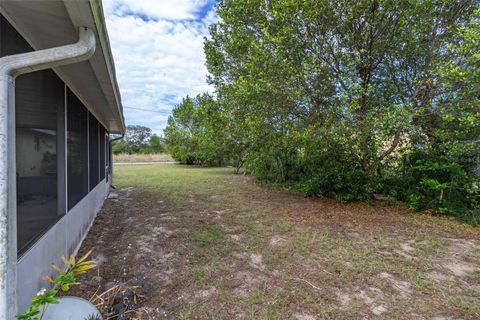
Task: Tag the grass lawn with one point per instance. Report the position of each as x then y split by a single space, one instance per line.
213 245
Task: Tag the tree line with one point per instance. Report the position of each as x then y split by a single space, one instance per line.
345 99
139 139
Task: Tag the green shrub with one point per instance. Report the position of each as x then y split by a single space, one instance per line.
342 181
430 181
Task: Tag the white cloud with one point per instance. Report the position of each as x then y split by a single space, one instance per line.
158 50
157 9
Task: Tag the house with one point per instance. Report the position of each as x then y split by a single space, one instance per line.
59 104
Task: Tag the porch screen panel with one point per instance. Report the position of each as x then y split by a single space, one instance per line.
94 150
108 155
77 150
110 159
39 97
103 165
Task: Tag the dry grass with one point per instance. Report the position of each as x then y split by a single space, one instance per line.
217 246
133 158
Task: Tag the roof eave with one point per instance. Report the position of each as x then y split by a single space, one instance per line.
102 32
104 44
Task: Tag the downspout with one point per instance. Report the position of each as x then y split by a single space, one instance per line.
111 157
10 68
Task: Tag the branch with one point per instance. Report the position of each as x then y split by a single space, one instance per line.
312 285
393 146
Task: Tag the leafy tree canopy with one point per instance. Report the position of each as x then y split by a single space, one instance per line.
346 99
139 139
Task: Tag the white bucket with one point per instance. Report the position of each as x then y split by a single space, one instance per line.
71 308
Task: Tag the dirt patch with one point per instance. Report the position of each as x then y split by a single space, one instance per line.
407 246
247 282
406 250
344 299
403 287
363 296
379 310
438 277
460 269
203 294
458 256
236 237
167 217
256 261
277 241
162 230
305 317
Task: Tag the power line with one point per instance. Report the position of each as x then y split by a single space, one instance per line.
149 110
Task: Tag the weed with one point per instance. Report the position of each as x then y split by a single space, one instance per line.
199 276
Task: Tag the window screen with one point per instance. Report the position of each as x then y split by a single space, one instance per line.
39 97
77 150
94 150
108 155
103 164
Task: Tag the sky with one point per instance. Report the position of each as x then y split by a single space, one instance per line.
157 46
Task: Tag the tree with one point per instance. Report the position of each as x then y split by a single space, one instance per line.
138 139
179 133
335 95
155 144
195 132
137 136
440 169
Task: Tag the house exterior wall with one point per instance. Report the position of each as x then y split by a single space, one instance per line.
64 238
65 229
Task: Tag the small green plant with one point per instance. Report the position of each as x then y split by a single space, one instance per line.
63 282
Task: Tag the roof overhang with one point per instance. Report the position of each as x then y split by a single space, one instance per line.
52 23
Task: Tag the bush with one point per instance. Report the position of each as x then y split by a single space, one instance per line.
432 181
342 181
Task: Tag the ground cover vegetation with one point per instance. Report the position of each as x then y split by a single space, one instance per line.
202 243
344 99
